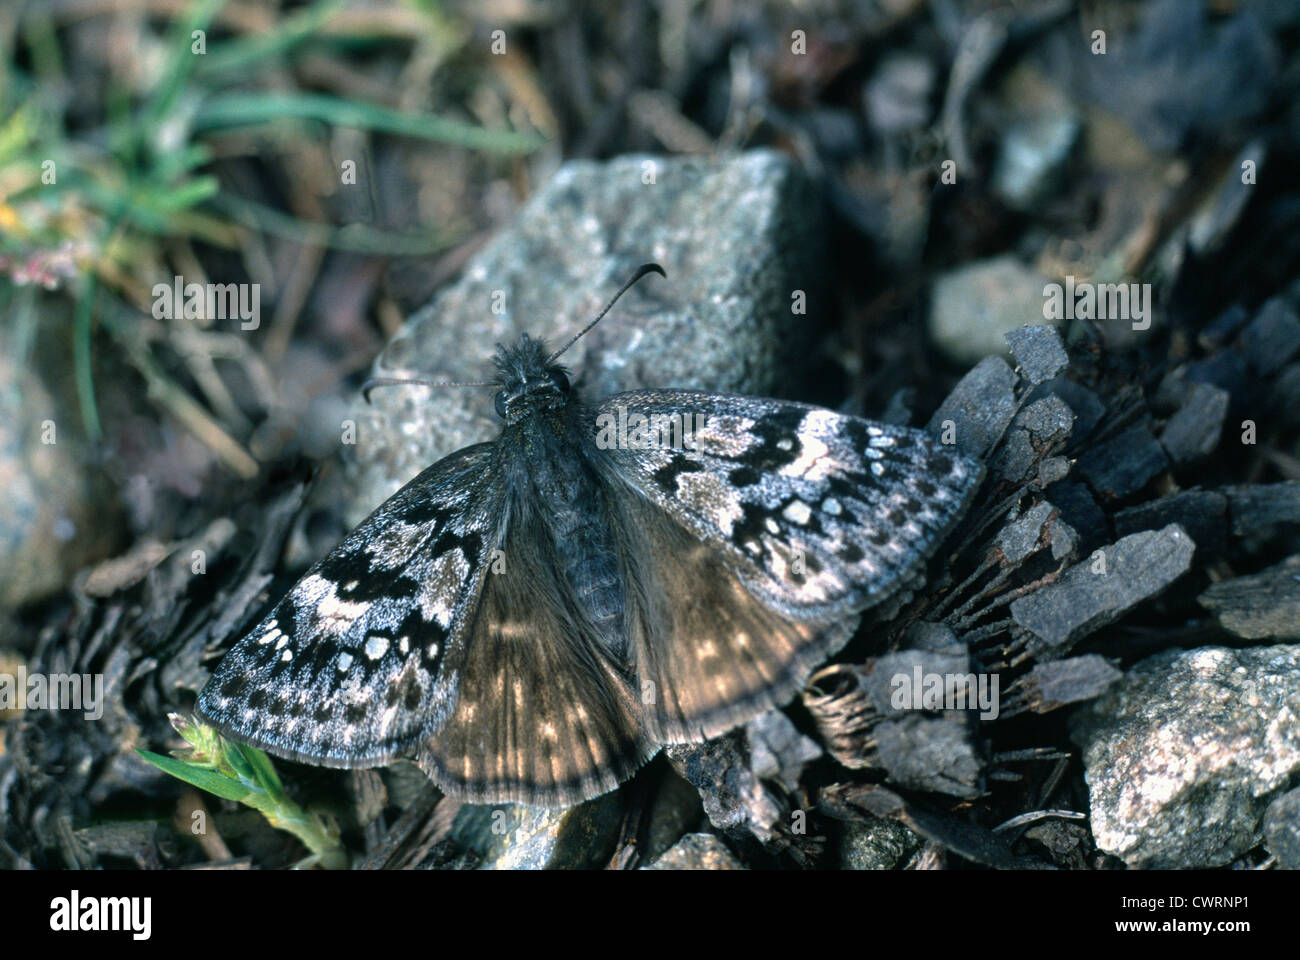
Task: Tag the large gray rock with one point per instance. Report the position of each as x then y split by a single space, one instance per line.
1184 755
737 236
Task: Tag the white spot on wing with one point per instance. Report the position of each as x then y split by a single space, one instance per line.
797 512
376 646
442 586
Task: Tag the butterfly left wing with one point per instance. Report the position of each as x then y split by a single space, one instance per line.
797 518
819 512
350 668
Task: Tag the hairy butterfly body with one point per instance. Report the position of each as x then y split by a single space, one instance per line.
533 617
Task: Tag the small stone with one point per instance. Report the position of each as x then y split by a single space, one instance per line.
1019 538
924 635
1272 339
697 851
925 747
899 96
1038 351
1282 830
1123 465
1101 588
1064 539
1058 682
980 407
512 836
1182 757
1033 156
1221 330
746 777
777 750
974 305
1258 508
876 844
1261 606
1193 432
1040 428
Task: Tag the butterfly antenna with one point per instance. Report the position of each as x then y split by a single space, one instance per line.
641 271
397 381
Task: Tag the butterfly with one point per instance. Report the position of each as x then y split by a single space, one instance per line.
532 618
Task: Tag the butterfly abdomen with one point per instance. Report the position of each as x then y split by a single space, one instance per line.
569 499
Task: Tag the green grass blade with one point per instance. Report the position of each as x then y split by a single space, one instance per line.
237 110
204 779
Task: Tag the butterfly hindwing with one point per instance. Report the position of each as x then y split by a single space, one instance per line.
707 653
350 668
544 715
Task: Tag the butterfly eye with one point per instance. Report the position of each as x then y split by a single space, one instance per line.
560 380
500 403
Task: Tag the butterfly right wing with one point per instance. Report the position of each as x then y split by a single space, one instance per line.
354 666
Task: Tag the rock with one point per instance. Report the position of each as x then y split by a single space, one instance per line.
1039 352
974 305
739 238
899 96
911 712
1193 432
1182 758
876 844
980 407
54 521
511 836
1124 464
697 851
1021 537
1272 338
1257 607
1040 428
1032 158
1101 588
1282 830
675 811
1258 508
927 746
746 777
1059 682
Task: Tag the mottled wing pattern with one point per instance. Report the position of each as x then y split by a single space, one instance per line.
783 522
819 512
350 669
543 715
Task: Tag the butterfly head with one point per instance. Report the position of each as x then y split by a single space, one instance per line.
530 380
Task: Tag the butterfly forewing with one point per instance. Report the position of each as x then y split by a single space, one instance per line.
350 668
820 514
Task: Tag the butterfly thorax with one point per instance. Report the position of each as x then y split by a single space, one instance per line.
546 472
